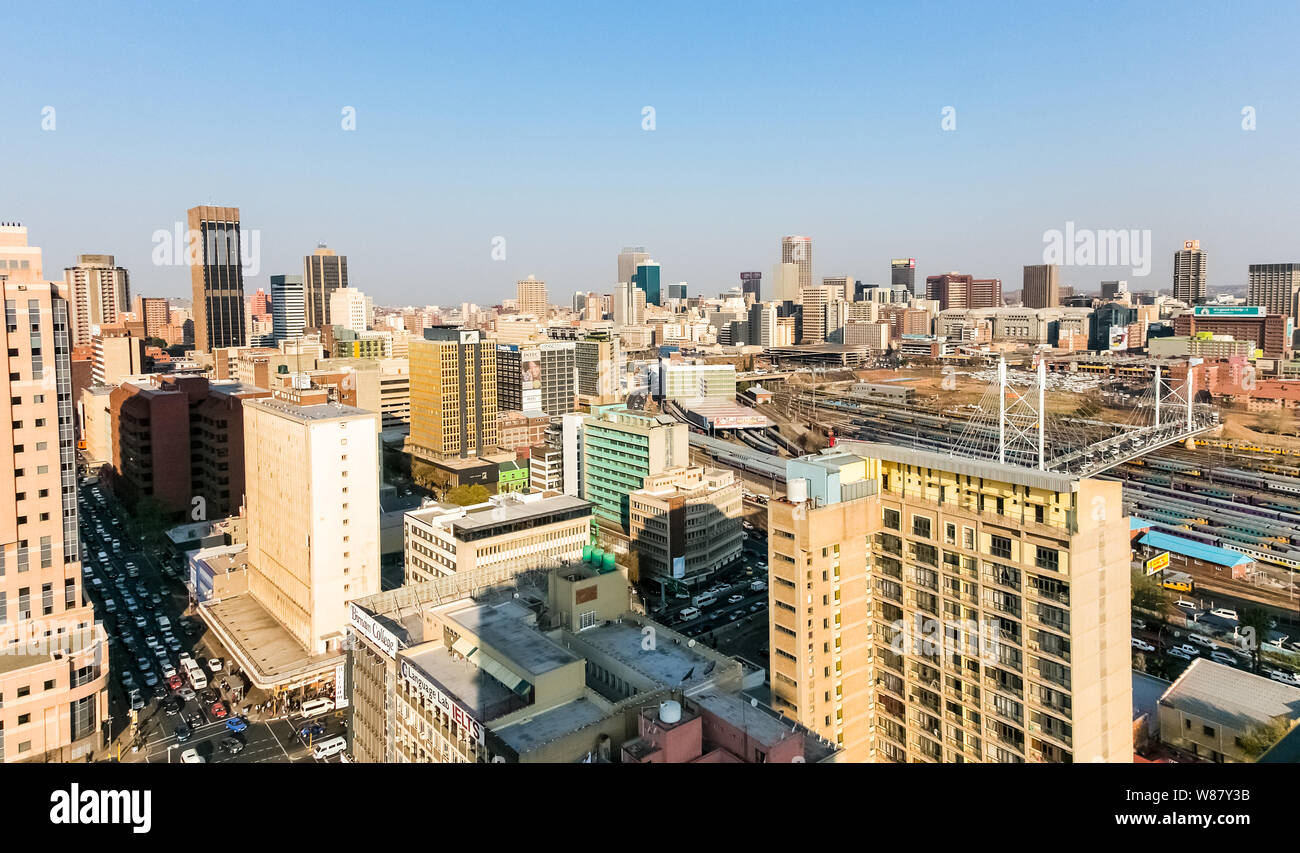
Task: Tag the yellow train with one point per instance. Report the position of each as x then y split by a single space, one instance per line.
1179 585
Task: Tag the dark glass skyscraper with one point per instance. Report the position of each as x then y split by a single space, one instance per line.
752 282
902 272
647 278
324 272
217 279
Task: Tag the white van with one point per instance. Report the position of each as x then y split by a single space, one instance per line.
316 707
705 599
329 747
689 613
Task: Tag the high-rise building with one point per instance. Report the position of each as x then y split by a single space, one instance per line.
156 314
98 292
538 377
677 291
54 679
958 290
762 324
751 284
646 279
814 301
686 523
453 394
798 251
620 448
902 273
840 287
288 306
312 480
928 608
351 309
1189 273
1042 286
600 365
217 279
179 442
1275 287
116 354
19 262
628 260
531 297
785 283
323 272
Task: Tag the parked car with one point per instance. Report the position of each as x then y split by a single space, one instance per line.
1191 650
231 746
735 599
219 710
183 733
186 692
1224 613
137 701
1224 658
236 724
1202 640
1138 623
1184 604
191 756
1285 677
215 664
1143 645
1178 653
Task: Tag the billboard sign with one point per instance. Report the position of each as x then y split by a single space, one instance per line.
1228 311
1158 563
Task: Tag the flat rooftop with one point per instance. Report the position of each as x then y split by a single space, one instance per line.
526 735
317 412
472 686
270 654
669 663
484 517
1217 692
505 627
1050 480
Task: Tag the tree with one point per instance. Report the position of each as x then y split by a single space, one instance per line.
1147 592
1257 739
468 495
1254 628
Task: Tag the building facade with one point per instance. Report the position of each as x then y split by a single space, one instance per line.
453 394
217 278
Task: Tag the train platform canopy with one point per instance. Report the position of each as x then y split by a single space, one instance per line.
712 413
1135 523
1196 550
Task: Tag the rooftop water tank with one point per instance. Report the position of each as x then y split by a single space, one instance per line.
670 711
796 491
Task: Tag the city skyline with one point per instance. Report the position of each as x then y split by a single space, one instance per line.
876 174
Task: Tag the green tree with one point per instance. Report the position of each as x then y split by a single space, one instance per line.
467 495
1260 736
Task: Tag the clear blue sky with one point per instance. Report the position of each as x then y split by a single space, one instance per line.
525 121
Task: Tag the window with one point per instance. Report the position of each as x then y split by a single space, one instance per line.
49 685
1208 730
921 526
1048 558
950 534
24 719
892 519
1000 546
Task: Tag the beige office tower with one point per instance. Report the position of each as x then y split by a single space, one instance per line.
531 296
840 286
814 301
351 309
54 670
311 475
156 315
1042 286
629 259
798 251
453 394
930 608
323 272
98 292
1190 273
785 283
1275 287
20 262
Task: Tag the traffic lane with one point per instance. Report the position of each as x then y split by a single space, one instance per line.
296 749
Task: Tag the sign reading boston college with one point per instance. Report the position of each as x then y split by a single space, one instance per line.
471 728
367 626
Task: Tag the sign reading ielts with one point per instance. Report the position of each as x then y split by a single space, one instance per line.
470 727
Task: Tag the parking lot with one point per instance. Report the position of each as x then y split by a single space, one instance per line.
1215 635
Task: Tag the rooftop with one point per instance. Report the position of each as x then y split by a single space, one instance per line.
1190 548
525 735
1217 692
1032 477
507 629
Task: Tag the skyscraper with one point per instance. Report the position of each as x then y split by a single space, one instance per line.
288 306
902 273
798 251
155 313
646 280
54 679
1276 287
841 287
1189 273
751 284
323 272
531 295
217 280
1042 286
628 260
98 291
453 394
930 608
960 290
